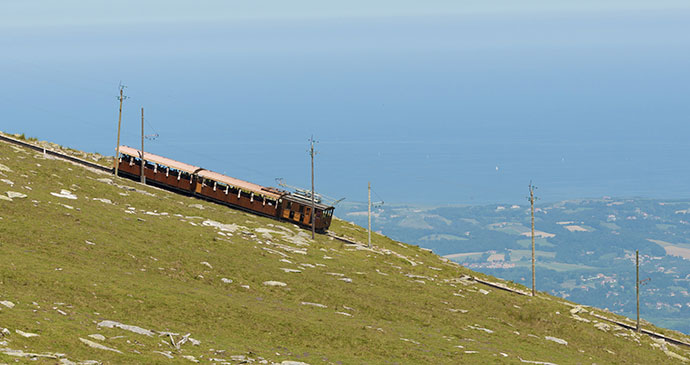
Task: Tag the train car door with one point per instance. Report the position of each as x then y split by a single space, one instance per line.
307 216
198 184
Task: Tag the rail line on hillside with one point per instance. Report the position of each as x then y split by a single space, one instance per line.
523 293
642 330
57 154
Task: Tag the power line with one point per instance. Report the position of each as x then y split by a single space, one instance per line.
531 199
121 98
312 152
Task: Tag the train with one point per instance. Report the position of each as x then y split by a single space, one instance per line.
198 182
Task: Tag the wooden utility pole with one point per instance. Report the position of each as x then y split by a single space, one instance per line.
119 123
313 205
531 201
143 177
369 214
637 287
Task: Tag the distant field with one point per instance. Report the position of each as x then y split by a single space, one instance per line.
538 241
674 249
517 255
460 257
556 266
442 237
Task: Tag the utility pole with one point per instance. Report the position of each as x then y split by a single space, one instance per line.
313 205
637 287
143 177
119 123
531 201
369 214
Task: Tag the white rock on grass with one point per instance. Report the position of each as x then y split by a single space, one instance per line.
83 362
676 356
557 340
476 327
98 336
314 304
206 264
578 309
291 270
226 280
536 362
190 358
223 227
15 195
25 334
103 200
135 329
347 280
344 314
167 354
274 283
7 303
65 194
602 326
98 345
410 340
290 362
4 168
3 197
32 356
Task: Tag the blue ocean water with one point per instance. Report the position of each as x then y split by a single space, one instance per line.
431 110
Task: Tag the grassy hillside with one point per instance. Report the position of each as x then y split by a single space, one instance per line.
83 247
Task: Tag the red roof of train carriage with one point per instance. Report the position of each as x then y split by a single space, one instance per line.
191 169
177 165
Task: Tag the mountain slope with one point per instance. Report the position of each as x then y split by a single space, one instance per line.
86 256
585 248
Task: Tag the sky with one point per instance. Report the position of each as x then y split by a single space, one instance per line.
437 102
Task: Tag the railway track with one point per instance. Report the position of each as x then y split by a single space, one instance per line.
57 154
520 292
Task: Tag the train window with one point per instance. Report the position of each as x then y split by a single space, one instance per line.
292 214
289 205
301 209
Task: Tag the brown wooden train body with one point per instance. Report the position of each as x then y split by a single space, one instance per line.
195 181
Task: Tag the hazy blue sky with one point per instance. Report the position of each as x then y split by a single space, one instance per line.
98 13
435 101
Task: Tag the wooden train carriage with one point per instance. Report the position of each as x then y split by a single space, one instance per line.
159 171
298 210
196 181
245 195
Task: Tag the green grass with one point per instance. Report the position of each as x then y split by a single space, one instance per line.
146 270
